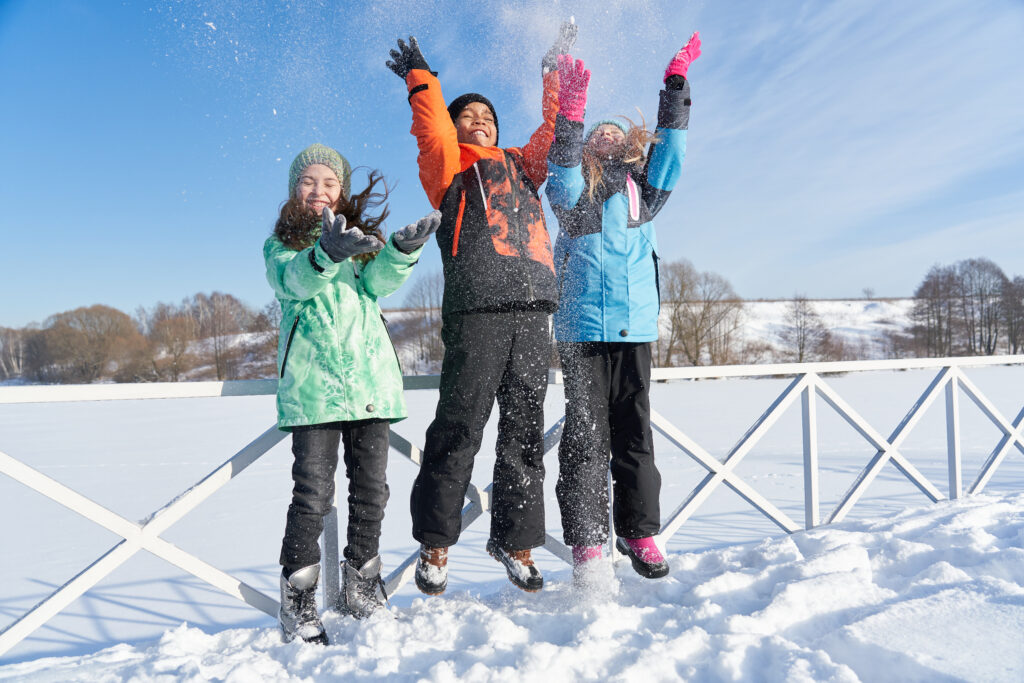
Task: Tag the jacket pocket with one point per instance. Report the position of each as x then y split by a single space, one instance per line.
288 344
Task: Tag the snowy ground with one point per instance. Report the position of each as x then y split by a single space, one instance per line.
902 590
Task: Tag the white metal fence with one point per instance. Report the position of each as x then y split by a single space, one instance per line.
809 384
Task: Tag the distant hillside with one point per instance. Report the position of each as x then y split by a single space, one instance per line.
859 329
863 324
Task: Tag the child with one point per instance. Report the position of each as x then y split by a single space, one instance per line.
605 191
340 380
499 289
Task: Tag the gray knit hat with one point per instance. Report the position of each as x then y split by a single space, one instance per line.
321 154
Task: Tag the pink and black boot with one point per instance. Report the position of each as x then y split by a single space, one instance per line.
644 554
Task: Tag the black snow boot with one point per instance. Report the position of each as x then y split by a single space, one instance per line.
519 567
432 570
298 614
362 590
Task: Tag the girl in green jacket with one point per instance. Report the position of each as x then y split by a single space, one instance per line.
339 376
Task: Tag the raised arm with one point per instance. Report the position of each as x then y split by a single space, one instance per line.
438 160
565 177
665 160
535 152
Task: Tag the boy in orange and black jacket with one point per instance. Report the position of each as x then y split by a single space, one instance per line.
499 291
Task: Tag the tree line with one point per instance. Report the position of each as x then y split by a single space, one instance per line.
206 336
968 308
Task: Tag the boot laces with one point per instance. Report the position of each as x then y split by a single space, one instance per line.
437 557
521 556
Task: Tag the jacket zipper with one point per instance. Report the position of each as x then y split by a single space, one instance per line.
480 184
288 344
388 331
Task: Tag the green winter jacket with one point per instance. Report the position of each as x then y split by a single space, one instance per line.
335 360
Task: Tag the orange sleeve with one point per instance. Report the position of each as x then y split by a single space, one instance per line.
535 152
435 135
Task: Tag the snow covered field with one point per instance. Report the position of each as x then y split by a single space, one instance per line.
901 590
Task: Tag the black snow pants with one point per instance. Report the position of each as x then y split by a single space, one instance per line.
315 448
607 407
487 355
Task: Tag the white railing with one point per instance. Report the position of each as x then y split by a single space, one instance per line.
808 385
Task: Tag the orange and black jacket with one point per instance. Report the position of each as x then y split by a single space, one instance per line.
495 247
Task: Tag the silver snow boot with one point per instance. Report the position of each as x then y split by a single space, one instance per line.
362 590
298 615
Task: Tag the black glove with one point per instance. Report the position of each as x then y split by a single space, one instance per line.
406 58
341 242
415 235
563 46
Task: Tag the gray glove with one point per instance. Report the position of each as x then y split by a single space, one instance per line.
341 242
415 235
563 46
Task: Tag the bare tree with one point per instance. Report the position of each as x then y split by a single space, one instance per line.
710 321
12 352
982 284
219 319
803 335
78 345
936 322
172 338
421 326
677 281
1012 300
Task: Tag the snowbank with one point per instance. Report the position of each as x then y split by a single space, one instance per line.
932 594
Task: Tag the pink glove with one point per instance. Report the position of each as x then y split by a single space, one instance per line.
572 87
681 62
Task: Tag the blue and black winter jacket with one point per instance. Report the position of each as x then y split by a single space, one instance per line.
606 253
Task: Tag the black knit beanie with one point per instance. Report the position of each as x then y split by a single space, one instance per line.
460 102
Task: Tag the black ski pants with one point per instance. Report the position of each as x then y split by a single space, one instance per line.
487 355
607 407
315 448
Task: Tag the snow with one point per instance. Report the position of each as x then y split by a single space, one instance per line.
900 590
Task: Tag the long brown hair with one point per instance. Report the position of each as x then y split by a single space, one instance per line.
297 228
633 154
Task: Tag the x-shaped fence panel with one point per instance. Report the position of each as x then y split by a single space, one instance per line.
136 537
808 385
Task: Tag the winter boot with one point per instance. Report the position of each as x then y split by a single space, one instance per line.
591 571
432 570
644 554
298 614
362 590
519 567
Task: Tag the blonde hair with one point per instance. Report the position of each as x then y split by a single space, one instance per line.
633 154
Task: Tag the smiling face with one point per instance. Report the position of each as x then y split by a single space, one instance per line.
607 141
475 125
318 187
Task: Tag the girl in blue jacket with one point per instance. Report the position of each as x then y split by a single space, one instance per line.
605 188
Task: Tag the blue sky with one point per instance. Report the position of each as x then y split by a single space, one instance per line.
834 146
